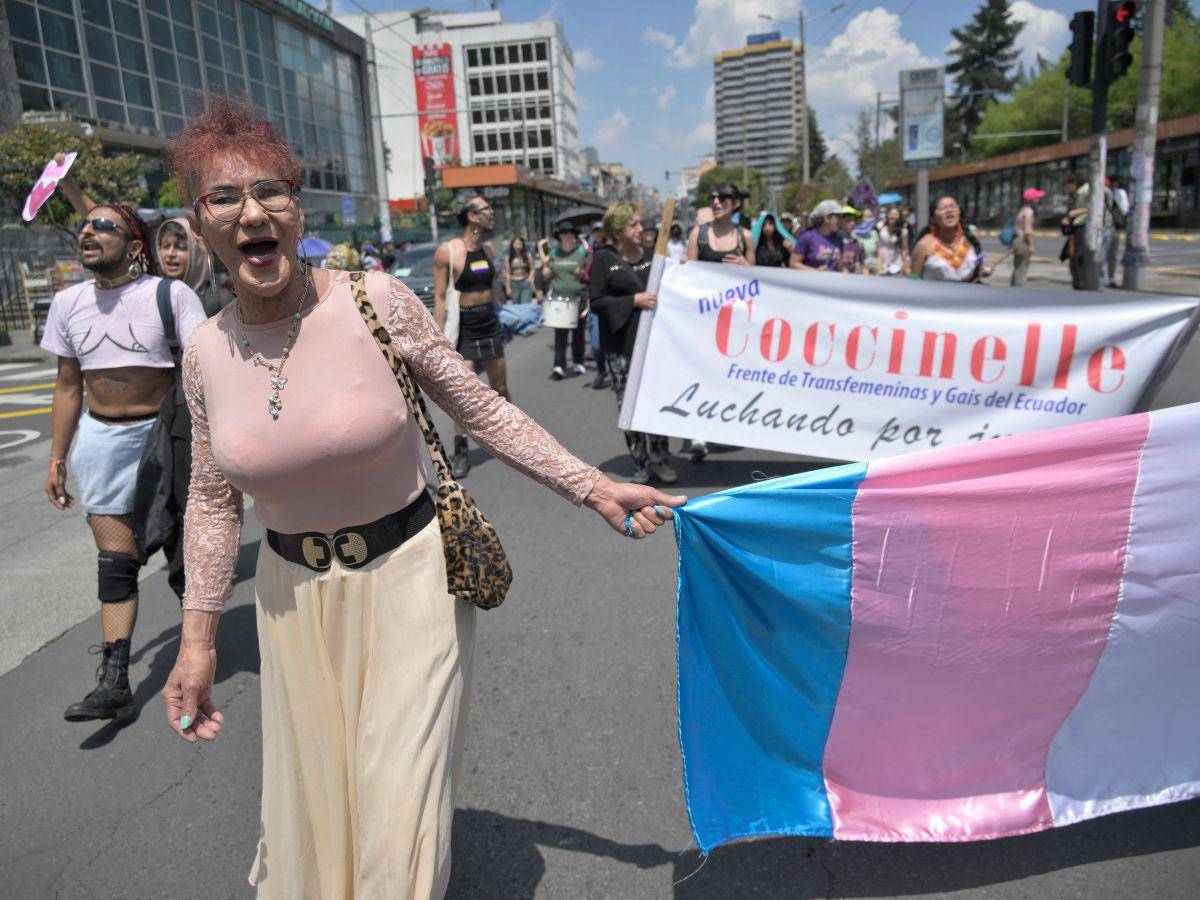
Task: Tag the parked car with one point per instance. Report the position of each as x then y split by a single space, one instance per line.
415 269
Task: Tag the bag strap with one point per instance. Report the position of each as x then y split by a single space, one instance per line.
408 386
167 314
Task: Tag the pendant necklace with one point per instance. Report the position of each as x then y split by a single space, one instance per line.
278 381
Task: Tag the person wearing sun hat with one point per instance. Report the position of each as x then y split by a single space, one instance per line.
1022 247
853 253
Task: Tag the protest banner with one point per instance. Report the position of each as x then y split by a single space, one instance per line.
969 643
859 368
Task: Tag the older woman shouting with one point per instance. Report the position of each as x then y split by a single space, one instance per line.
366 657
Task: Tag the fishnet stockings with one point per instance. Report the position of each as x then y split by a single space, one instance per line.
116 533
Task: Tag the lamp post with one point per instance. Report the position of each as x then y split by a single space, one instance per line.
805 172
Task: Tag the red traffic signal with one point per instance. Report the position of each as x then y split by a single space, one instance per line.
1115 57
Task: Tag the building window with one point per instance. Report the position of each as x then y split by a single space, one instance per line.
499 55
59 32
477 116
479 148
29 62
543 81
67 72
489 87
491 142
527 53
132 53
505 140
485 56
489 115
472 57
547 138
540 51
501 84
532 138
529 84
474 86
22 21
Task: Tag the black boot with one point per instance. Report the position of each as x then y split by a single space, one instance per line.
111 698
460 463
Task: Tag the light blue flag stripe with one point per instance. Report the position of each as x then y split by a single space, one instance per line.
763 623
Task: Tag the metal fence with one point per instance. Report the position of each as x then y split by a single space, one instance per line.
38 248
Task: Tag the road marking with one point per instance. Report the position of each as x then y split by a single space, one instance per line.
27 387
5 367
10 440
25 399
28 412
37 373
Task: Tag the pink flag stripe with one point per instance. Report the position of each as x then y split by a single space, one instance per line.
1134 738
984 583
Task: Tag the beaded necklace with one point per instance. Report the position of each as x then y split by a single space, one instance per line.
954 252
278 381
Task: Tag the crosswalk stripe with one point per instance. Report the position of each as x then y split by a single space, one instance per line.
27 387
27 412
36 373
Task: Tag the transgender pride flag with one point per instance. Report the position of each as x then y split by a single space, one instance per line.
968 643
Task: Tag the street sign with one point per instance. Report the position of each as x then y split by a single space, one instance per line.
349 215
921 107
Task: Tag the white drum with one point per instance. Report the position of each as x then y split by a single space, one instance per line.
561 312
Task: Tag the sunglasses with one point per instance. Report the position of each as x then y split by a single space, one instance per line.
725 197
100 225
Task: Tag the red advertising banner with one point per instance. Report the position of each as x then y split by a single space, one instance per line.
433 73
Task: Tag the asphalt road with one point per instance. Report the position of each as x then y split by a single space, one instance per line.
571 784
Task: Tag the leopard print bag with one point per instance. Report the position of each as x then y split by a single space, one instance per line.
477 569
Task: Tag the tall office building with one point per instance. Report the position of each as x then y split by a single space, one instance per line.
133 71
471 89
759 95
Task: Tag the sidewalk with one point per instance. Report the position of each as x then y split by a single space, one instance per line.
22 349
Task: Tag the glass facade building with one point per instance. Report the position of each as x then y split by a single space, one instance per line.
142 67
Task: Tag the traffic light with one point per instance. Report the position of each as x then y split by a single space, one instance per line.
1115 57
432 175
1083 26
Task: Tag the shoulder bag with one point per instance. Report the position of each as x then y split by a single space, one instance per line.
477 568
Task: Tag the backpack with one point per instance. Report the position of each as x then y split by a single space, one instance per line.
1119 219
1008 233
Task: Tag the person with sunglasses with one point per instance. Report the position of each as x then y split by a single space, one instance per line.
464 273
366 656
723 240
947 251
112 350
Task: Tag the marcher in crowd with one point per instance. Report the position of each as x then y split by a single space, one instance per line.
388 257
676 245
463 274
853 254
518 273
110 342
369 259
649 238
1120 220
366 658
594 242
180 256
867 233
562 267
820 247
620 271
1023 244
949 251
771 249
723 240
892 254
1076 221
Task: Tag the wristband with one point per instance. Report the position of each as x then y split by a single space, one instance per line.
58 459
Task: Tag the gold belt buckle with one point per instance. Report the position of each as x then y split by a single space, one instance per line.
316 552
351 549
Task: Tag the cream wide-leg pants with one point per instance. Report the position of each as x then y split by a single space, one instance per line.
365 679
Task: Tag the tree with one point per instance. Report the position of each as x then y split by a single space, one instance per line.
1038 106
864 142
818 152
983 64
169 196
26 150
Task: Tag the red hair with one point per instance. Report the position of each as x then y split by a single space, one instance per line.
228 126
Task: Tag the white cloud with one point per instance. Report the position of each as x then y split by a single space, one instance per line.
703 136
613 130
587 61
723 25
664 98
845 75
658 38
1046 33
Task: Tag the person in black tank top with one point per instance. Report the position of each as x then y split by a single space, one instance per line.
725 200
466 263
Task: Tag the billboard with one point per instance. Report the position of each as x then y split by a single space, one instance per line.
437 122
921 102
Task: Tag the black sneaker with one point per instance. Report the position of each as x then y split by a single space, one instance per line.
601 381
111 698
460 462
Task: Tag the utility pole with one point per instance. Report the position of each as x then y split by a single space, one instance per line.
878 126
806 174
376 125
1066 109
1137 233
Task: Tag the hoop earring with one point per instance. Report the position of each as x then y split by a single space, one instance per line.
135 269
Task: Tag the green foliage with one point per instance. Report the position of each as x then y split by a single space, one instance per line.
983 58
818 152
1039 105
169 196
26 150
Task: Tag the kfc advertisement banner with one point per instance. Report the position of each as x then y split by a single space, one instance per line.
437 125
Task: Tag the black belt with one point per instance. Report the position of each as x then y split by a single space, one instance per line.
122 420
357 545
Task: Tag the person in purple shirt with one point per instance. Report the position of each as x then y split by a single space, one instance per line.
821 246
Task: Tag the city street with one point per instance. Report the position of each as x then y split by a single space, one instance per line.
571 785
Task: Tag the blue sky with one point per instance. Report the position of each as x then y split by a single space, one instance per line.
643 69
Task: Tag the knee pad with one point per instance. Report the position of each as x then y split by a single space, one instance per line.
118 576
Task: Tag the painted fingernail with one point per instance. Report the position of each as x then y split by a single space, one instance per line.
185 722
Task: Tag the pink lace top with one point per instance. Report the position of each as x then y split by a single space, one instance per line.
344 450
